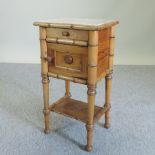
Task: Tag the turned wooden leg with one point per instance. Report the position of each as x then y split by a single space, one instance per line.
46 111
89 126
67 86
45 79
92 74
108 80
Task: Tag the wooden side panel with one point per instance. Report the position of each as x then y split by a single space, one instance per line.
103 53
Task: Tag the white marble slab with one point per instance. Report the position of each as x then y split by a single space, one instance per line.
83 23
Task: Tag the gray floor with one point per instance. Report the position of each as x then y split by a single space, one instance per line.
132 129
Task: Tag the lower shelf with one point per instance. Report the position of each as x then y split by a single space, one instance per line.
76 109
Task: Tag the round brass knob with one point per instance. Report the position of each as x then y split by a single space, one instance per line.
66 33
50 60
68 59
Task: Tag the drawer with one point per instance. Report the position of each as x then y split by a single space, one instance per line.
67 60
67 34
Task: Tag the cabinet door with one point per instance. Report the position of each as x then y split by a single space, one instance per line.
67 60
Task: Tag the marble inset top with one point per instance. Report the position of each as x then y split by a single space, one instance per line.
86 24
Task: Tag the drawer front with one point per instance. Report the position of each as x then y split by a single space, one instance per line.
67 60
67 34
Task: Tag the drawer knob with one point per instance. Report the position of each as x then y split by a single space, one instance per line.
50 59
68 59
65 33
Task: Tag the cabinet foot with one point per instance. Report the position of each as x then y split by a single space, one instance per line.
47 131
107 126
89 148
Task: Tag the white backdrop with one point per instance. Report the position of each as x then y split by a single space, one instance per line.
135 34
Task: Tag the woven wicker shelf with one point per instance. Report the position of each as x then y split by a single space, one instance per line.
76 109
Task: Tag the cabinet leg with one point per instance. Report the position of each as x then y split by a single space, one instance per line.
89 126
67 86
108 81
46 111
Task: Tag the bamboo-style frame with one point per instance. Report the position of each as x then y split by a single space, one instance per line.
92 112
92 79
45 78
67 41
